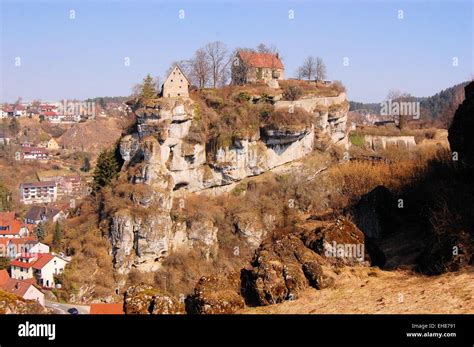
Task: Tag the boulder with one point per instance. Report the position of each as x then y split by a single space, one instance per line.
216 295
340 241
281 269
145 299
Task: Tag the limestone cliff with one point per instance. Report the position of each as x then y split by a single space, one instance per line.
160 157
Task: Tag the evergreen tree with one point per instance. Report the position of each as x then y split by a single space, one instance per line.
57 234
148 88
40 233
106 169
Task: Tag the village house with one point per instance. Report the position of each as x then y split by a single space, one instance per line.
15 247
51 144
24 289
176 84
38 214
11 227
3 112
42 267
33 153
69 184
252 67
38 192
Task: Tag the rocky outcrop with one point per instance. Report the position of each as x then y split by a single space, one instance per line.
281 269
145 299
376 142
216 295
461 130
340 241
189 164
161 162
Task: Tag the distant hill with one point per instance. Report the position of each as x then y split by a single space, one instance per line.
438 109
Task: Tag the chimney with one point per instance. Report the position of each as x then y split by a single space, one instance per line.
17 285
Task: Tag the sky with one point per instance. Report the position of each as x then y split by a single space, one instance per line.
52 50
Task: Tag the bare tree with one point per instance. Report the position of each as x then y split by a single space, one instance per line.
263 48
199 68
308 69
218 58
320 69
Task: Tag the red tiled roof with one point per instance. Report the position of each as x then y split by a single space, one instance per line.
21 264
13 227
4 277
106 309
17 287
43 259
50 113
261 60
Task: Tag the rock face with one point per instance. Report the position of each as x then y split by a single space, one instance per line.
341 242
188 164
160 161
461 130
216 295
382 142
144 299
281 269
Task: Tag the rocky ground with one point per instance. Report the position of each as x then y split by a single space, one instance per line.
368 290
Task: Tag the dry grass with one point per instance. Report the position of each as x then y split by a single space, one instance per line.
367 291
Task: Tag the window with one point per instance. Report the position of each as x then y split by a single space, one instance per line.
171 80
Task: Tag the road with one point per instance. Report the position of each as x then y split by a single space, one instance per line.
60 308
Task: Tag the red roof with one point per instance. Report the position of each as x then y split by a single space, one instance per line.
43 259
264 60
107 309
10 227
50 113
4 277
17 287
22 264
38 264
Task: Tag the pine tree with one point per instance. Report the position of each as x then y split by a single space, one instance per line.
148 88
106 169
40 233
57 234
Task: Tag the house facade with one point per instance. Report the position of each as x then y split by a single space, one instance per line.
24 289
38 192
10 227
252 67
41 267
34 153
176 84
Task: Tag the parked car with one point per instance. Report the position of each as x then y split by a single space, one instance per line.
73 310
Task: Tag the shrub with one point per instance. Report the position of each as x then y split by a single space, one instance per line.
292 92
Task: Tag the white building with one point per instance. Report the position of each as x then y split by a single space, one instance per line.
176 84
38 192
41 267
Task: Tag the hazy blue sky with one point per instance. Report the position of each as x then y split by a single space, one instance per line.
84 57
